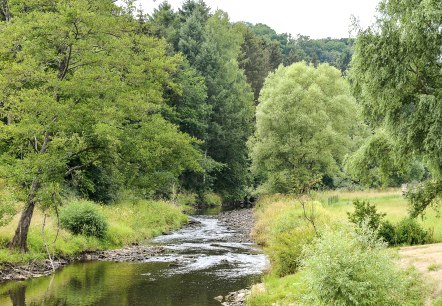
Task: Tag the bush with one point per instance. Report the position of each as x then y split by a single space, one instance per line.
387 231
186 198
366 212
83 218
347 268
409 232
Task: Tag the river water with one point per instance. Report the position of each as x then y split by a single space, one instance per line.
200 262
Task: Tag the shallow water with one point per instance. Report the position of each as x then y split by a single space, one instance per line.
199 264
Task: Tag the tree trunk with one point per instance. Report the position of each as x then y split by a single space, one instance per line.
21 233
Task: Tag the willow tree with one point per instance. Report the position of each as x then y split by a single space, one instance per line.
80 93
396 72
303 127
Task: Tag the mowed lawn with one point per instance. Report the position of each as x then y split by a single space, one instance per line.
389 201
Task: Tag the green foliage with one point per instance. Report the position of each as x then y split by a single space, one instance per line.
336 52
398 84
186 198
427 194
376 163
406 232
365 213
303 126
213 199
387 231
410 232
82 101
231 99
286 249
83 218
257 58
214 102
8 205
345 268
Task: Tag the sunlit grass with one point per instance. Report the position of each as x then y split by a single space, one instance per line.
388 201
274 213
282 291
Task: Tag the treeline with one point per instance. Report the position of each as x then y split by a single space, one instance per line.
104 99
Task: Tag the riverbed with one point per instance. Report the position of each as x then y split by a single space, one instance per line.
198 263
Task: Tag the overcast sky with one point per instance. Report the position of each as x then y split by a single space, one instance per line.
315 18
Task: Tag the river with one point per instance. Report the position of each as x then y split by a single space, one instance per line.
199 263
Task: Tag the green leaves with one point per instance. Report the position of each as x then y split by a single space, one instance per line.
396 77
303 125
82 92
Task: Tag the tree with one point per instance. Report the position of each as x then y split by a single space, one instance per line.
256 58
81 92
376 164
303 125
164 23
396 76
231 99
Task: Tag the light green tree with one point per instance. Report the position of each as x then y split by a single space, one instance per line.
376 164
303 127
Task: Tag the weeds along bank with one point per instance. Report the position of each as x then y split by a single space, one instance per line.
345 264
87 226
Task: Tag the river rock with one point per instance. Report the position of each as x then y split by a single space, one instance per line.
241 221
237 298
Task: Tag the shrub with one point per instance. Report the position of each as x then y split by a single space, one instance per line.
387 231
365 212
85 218
186 198
410 232
344 267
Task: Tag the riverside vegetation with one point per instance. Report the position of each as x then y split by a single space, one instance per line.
345 264
113 121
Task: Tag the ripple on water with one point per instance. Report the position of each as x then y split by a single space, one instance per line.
205 247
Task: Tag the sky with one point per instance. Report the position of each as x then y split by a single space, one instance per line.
314 18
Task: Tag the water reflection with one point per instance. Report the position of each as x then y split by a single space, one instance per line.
199 265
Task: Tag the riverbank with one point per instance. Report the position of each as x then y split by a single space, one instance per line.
129 224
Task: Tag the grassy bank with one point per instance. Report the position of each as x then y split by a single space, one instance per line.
285 234
128 222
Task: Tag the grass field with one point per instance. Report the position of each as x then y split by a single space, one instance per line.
388 201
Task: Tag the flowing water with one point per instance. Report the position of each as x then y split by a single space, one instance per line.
200 263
